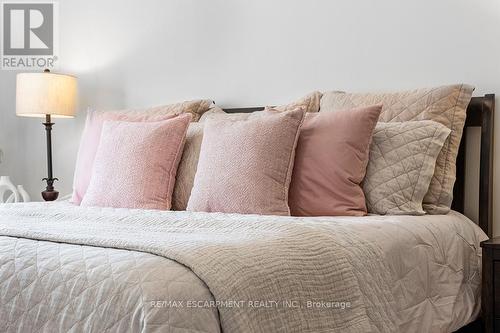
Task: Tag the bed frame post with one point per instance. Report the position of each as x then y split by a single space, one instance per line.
486 168
480 113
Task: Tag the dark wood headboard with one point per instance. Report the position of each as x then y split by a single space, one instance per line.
479 114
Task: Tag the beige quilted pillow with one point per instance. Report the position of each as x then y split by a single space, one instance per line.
446 105
401 165
310 103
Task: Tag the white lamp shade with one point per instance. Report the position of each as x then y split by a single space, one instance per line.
39 94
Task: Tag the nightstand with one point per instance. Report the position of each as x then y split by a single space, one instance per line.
490 289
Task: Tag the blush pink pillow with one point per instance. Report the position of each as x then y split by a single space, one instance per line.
330 163
136 163
90 140
245 166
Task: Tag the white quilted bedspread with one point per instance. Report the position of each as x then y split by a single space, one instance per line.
406 274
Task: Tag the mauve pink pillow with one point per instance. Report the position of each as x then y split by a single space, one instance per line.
245 166
136 164
330 163
90 140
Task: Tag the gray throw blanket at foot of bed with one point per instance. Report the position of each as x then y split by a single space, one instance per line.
267 274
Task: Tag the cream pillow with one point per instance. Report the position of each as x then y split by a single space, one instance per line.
401 165
196 108
446 105
189 162
187 166
310 103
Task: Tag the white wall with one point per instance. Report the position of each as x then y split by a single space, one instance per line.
244 53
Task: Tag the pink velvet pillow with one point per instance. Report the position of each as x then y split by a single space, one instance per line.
330 163
245 166
136 163
90 140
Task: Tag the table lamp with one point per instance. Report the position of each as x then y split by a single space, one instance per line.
46 95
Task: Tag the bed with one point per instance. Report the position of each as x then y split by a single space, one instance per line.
66 268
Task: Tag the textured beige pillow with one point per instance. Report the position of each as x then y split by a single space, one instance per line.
245 166
189 162
187 166
401 165
446 105
309 103
196 108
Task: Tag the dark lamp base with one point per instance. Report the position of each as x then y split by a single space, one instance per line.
50 195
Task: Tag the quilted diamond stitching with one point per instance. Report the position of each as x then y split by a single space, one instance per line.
50 287
401 163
